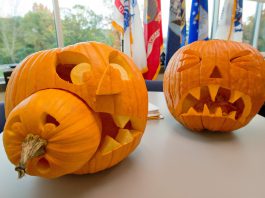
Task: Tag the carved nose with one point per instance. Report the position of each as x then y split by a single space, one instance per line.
216 73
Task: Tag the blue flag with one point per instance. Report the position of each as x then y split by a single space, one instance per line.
126 14
238 16
198 29
176 36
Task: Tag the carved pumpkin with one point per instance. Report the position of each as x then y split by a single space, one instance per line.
84 106
215 85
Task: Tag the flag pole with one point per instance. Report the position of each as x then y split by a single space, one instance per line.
122 42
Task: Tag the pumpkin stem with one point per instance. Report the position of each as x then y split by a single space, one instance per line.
32 146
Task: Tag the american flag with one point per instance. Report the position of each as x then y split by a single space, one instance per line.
126 20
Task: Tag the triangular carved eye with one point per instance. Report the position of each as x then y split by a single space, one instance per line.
216 73
241 56
50 119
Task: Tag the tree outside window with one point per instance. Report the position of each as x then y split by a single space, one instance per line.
34 30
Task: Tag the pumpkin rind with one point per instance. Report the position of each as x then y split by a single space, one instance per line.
215 85
31 75
103 78
71 139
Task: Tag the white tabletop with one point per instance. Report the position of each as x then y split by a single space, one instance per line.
171 161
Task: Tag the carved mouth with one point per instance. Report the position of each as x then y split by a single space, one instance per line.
119 137
117 131
214 100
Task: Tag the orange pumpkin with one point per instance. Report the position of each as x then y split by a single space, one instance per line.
215 85
56 130
106 128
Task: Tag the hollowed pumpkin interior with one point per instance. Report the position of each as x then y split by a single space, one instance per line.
109 128
66 61
218 100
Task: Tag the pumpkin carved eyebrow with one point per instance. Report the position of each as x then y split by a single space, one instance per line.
245 60
189 59
191 52
241 54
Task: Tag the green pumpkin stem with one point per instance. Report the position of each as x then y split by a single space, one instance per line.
32 146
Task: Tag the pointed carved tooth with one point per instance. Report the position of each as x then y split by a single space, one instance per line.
109 144
206 111
196 93
247 109
234 96
219 112
213 89
232 115
124 136
120 121
192 111
247 104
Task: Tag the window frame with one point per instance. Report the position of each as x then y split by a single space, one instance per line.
216 6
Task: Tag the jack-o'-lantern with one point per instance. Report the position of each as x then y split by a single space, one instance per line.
79 109
215 85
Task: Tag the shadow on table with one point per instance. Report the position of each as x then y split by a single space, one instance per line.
205 136
89 185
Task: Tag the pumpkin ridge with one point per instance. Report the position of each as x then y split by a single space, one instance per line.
244 77
75 134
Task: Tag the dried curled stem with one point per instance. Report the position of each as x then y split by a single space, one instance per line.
32 146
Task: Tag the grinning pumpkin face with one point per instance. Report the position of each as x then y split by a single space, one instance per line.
114 98
215 85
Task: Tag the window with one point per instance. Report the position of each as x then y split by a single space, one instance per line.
28 26
249 12
84 21
25 27
261 38
24 31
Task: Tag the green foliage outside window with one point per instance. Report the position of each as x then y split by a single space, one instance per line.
35 31
248 30
21 36
82 24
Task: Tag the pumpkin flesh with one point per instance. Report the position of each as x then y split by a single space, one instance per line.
105 80
215 102
215 85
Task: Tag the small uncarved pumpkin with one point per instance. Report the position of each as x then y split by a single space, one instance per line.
215 85
112 91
